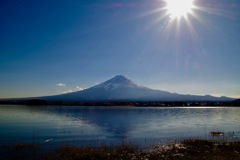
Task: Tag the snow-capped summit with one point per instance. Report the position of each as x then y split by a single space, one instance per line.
118 81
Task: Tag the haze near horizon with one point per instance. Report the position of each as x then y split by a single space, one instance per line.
55 47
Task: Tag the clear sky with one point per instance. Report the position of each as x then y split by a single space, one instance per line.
50 47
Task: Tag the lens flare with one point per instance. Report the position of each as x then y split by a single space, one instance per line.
179 8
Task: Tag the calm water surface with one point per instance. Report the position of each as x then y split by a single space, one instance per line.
91 126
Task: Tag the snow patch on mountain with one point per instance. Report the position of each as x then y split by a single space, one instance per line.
117 82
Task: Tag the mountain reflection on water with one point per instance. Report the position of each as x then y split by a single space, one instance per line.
75 125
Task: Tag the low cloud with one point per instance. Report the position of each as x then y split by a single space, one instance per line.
68 91
61 84
79 88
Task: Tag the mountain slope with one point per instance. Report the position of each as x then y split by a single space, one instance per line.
120 88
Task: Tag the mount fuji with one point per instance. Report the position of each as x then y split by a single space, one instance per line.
119 88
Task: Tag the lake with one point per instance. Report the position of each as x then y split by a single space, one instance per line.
91 126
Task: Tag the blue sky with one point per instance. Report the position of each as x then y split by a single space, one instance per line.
50 47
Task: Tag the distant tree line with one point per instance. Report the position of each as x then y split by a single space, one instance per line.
125 103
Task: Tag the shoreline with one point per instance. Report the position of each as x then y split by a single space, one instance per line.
125 103
186 149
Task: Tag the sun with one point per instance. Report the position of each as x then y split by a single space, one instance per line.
179 8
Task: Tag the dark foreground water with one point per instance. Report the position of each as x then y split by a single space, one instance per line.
90 126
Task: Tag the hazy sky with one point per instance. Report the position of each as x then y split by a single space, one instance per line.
53 46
